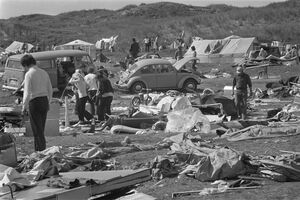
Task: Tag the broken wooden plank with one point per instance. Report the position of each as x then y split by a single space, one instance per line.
109 181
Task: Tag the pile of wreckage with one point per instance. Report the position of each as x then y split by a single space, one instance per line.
85 171
89 171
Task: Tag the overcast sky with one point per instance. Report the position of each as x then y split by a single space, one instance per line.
12 8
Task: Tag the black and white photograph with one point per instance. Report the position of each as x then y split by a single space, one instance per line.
149 99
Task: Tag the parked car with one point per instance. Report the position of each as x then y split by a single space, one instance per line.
59 64
157 74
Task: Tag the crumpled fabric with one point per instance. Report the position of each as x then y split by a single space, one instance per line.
260 132
287 165
91 153
163 167
46 167
181 103
188 148
220 164
11 177
165 103
187 119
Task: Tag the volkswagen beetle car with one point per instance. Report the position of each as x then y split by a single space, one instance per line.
159 74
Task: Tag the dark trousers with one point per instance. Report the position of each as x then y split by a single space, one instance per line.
38 108
241 102
82 113
91 100
104 108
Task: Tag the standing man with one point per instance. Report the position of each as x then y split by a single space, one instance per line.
36 98
241 81
146 44
105 94
194 55
91 80
134 49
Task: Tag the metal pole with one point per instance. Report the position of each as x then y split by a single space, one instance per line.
67 123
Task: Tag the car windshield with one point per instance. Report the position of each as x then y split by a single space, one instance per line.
14 64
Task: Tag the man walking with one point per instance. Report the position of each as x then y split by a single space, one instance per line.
36 98
241 81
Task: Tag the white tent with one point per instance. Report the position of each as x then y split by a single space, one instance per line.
79 44
238 47
228 50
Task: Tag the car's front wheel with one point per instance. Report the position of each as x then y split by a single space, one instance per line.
189 85
137 87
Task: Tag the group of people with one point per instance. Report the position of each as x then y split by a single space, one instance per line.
94 88
148 43
289 54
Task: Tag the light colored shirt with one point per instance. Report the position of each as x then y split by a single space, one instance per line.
91 80
79 82
36 84
194 54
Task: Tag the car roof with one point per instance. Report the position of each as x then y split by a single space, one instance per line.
152 61
43 55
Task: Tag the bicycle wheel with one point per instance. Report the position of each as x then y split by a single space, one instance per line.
136 101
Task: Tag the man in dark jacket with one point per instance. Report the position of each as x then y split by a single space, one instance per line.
240 82
134 48
105 95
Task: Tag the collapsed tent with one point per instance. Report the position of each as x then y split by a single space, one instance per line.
19 46
228 50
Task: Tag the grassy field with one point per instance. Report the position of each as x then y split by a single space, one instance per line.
271 190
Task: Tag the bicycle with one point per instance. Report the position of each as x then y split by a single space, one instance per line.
141 98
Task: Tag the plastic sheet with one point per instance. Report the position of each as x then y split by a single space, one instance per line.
185 120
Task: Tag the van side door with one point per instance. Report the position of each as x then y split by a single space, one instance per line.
50 67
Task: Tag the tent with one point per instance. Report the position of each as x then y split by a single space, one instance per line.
79 44
18 46
228 50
